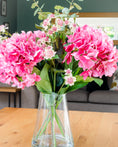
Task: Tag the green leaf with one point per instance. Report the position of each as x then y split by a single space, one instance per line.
76 86
55 57
36 70
44 84
44 72
71 7
80 79
42 6
36 11
77 6
19 79
58 7
69 2
43 15
63 90
78 70
38 27
56 12
34 5
98 81
89 79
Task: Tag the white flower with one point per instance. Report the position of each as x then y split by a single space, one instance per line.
69 80
49 53
68 71
65 11
46 23
2 28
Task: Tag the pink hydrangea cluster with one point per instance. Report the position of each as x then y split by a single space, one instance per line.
93 50
18 55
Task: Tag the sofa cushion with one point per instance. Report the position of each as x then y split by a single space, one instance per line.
78 96
92 107
104 96
107 81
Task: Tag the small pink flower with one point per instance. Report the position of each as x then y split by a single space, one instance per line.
68 71
46 23
52 16
54 28
73 27
69 80
50 32
66 22
49 53
59 22
48 48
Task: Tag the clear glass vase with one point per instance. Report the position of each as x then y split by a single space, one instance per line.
52 126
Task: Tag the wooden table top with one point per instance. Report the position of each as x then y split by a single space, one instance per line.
9 89
90 129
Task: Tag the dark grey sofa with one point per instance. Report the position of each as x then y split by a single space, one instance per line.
81 99
99 100
94 98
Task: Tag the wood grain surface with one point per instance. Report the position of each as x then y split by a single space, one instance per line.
89 129
9 89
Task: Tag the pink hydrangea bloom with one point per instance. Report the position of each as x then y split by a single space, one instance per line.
93 50
18 55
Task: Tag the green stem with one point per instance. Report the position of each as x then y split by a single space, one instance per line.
54 81
43 125
59 123
53 127
58 102
53 63
61 87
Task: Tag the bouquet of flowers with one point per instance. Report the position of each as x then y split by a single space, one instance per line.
59 58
